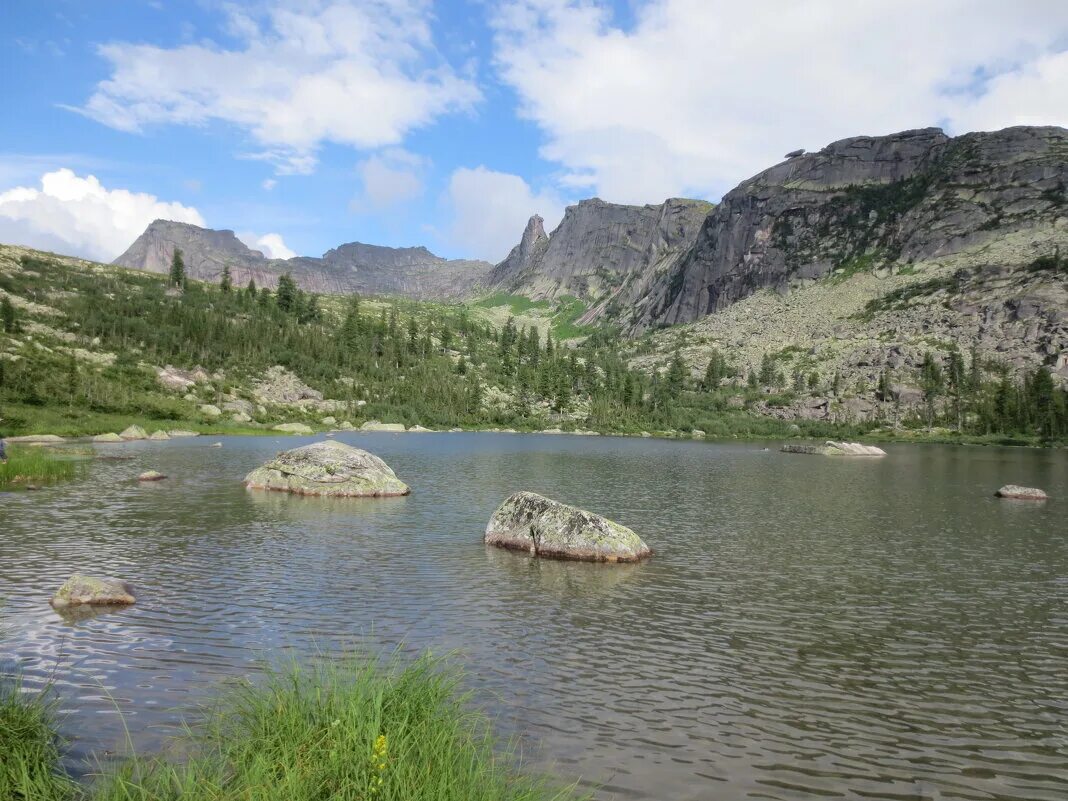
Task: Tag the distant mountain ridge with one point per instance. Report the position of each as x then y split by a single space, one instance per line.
353 267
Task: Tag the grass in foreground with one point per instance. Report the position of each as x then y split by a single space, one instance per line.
353 732
34 466
29 755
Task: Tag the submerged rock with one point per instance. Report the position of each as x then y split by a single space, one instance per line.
330 469
1018 493
831 448
78 590
151 475
134 432
293 428
530 522
111 437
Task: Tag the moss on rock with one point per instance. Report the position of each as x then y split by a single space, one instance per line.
328 469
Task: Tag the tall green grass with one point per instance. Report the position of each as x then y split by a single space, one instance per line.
363 730
35 466
29 754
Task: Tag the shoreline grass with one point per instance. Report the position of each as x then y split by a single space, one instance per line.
360 730
35 466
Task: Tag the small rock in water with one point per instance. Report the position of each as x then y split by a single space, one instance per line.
530 522
112 437
215 445
151 475
328 469
133 432
1018 493
79 590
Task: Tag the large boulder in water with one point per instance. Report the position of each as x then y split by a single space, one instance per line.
831 448
1018 493
330 469
544 527
78 590
134 432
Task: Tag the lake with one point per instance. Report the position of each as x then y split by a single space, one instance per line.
808 628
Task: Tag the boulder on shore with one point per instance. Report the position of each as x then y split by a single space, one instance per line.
831 448
159 436
36 439
1018 493
78 590
328 469
375 425
151 475
110 437
133 432
543 527
177 433
293 428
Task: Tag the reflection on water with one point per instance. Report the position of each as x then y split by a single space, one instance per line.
809 627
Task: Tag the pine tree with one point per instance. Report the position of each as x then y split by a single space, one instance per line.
8 317
287 293
251 289
177 274
715 372
676 376
225 283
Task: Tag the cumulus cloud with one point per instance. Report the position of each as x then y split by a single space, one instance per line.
696 95
388 179
270 245
79 216
489 210
353 72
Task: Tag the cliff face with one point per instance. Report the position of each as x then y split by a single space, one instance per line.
598 249
865 203
355 267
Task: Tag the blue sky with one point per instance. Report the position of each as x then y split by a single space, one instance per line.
302 125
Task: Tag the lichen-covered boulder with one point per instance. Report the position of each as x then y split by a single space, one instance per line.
543 527
375 425
134 432
151 475
293 428
78 590
179 433
159 436
329 469
831 448
111 437
1018 493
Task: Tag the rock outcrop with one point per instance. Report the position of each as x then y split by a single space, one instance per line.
543 527
80 590
830 448
861 203
328 469
600 251
355 267
1018 493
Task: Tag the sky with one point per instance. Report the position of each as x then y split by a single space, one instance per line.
303 124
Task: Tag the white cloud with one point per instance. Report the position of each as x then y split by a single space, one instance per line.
489 211
389 178
269 184
78 216
271 245
354 72
699 94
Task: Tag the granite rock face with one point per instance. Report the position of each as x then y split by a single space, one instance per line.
543 527
355 267
863 202
328 469
600 251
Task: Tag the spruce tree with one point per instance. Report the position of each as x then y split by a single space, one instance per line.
177 274
287 293
226 283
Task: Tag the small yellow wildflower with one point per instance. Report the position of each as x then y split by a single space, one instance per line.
379 760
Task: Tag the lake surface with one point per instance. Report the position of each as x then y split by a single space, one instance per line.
808 628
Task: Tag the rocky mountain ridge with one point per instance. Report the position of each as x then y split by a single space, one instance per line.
353 267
